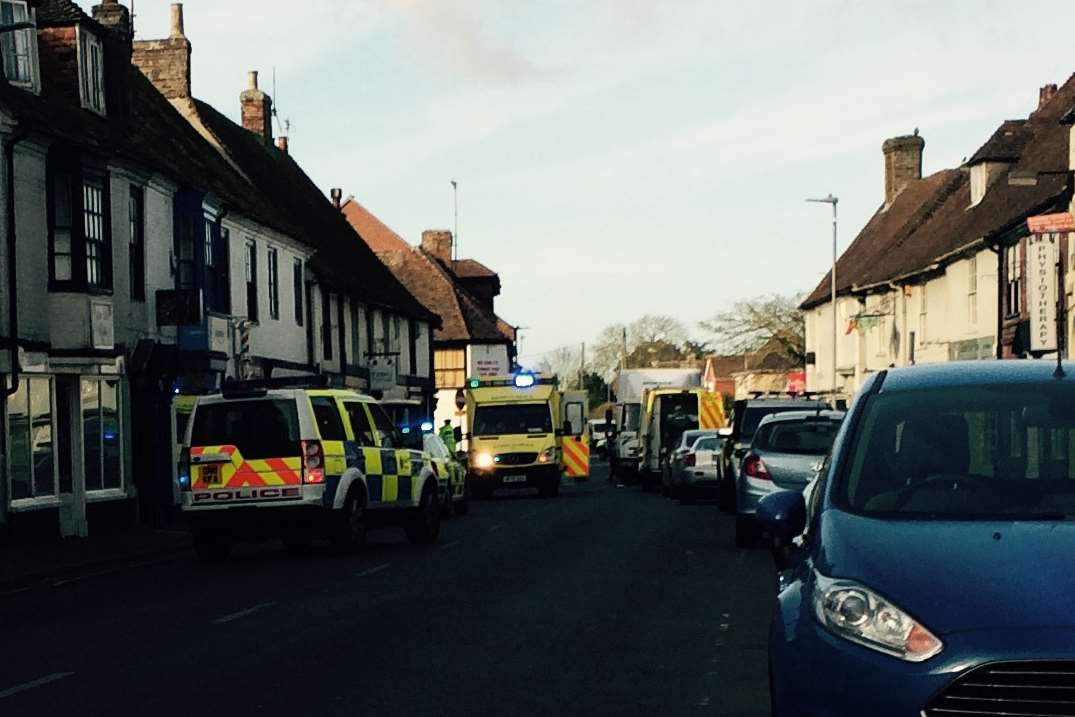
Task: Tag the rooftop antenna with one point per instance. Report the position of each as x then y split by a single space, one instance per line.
285 128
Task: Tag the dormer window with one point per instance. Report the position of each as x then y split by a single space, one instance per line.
18 47
91 71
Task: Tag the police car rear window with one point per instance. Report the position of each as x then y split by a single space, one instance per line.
259 428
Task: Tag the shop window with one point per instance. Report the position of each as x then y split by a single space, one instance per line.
102 445
31 440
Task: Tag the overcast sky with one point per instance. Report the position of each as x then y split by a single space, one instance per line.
623 157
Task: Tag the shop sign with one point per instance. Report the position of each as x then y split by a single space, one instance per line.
1041 291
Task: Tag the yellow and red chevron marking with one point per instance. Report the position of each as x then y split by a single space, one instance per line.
240 473
711 412
576 458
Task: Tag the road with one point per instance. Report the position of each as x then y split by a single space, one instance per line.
605 601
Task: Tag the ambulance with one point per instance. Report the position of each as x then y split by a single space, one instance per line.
294 459
667 414
517 431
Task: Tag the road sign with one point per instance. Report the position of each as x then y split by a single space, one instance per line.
460 400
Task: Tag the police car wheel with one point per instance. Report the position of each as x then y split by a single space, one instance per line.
349 524
424 526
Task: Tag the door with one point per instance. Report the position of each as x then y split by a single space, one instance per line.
576 443
397 466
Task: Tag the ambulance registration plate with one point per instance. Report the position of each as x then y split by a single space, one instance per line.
211 475
514 479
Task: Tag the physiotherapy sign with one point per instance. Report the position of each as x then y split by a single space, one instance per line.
1042 262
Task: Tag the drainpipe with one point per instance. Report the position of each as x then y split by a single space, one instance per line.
12 273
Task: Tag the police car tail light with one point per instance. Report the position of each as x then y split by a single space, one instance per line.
755 467
313 462
691 459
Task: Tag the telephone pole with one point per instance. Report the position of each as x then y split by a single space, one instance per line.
582 367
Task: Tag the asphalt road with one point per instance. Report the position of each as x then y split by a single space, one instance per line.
605 601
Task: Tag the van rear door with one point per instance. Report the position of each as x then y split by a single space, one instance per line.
243 443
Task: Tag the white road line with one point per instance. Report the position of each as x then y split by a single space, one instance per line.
111 571
449 545
34 683
242 613
371 571
496 527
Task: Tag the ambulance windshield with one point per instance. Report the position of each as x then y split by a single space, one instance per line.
511 419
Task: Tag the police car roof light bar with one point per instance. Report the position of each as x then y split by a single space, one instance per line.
259 387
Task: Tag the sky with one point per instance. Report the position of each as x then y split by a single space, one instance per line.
617 158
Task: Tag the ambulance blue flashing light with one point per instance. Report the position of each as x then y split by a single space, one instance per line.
427 427
524 380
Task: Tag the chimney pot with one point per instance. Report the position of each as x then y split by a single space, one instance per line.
438 243
115 17
177 20
337 197
903 163
252 80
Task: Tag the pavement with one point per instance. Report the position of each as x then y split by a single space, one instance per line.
604 601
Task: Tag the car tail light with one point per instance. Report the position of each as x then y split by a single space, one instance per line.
691 459
313 462
755 467
184 469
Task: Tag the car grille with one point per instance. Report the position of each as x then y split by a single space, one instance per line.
1012 689
516 459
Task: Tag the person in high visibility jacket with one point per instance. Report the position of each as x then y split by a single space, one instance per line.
447 434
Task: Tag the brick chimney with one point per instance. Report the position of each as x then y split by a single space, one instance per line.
167 62
1045 94
116 18
903 163
438 243
257 108
282 144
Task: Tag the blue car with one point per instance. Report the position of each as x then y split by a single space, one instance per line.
933 571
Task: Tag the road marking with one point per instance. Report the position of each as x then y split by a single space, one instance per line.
496 527
449 545
242 613
111 571
371 571
704 702
16 591
34 683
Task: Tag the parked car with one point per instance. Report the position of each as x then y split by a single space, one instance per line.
934 574
455 491
699 476
787 452
746 415
599 432
673 469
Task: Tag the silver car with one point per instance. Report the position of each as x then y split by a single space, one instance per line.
671 476
699 476
787 452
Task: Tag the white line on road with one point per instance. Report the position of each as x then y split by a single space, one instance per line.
34 683
242 613
449 545
371 571
496 527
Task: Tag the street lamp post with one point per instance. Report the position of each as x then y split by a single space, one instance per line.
830 199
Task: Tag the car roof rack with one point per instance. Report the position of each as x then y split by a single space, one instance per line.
260 387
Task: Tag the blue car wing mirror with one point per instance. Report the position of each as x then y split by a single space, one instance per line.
783 514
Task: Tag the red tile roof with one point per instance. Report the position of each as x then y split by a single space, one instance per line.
471 269
378 235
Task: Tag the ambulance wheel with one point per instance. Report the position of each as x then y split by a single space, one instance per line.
210 545
347 532
424 526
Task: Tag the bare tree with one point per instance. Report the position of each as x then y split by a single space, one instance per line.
751 323
666 333
562 363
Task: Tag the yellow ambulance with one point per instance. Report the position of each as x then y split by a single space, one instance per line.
666 414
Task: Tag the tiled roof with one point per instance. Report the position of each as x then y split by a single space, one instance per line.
344 261
471 269
60 12
933 217
378 236
1006 144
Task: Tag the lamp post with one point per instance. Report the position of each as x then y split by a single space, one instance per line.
830 199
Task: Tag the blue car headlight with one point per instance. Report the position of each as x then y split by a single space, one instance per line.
857 613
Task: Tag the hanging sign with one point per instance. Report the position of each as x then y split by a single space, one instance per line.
1041 253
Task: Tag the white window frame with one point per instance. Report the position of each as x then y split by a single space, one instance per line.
34 502
91 79
110 492
29 36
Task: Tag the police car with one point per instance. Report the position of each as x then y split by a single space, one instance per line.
294 459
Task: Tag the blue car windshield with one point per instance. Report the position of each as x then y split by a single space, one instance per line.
994 451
